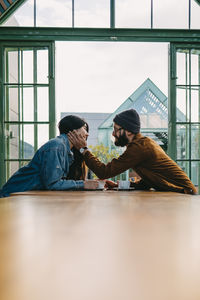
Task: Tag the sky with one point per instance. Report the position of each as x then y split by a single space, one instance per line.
100 76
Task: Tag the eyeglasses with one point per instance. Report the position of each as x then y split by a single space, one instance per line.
117 129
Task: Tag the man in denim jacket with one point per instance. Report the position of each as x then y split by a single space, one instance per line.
50 165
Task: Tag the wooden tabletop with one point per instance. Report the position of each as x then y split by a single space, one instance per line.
100 245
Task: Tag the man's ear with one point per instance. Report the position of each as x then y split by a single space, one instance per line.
129 133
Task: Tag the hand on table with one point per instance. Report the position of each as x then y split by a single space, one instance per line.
91 184
109 184
96 184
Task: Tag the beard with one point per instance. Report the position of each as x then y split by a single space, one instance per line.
121 140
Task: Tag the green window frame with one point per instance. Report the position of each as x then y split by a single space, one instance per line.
13 147
184 93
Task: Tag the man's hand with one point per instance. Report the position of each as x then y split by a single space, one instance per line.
91 184
77 139
109 184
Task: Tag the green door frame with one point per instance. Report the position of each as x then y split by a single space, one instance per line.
51 84
172 104
2 145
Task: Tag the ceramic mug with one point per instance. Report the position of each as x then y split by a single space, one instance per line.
123 184
101 184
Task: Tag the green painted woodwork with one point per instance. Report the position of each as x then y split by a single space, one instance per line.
184 135
112 13
2 125
197 1
16 123
99 34
172 103
72 13
151 14
52 102
199 127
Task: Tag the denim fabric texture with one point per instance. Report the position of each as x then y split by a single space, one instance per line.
46 171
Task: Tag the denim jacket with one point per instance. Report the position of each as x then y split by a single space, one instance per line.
46 171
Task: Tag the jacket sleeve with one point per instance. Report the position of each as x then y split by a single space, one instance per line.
127 160
53 171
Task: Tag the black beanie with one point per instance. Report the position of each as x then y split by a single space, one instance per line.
71 122
128 120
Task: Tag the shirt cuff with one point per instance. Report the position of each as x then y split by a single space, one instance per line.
79 184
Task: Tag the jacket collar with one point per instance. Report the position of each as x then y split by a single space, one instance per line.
136 137
66 141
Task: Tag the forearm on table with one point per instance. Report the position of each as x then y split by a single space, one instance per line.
63 184
103 171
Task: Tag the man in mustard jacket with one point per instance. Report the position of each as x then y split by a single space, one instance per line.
156 169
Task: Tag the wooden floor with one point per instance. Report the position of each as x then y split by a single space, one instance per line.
100 245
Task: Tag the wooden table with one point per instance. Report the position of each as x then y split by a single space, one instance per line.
100 245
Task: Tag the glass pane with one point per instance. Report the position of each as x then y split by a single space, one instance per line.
19 141
153 112
133 13
43 103
188 66
11 168
188 142
11 66
182 102
195 107
93 13
184 98
185 166
12 109
20 105
27 104
195 141
27 63
182 139
54 13
28 139
170 14
12 141
195 13
42 66
43 134
195 173
195 68
182 68
19 66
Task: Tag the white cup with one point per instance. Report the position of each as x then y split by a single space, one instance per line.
123 184
101 184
